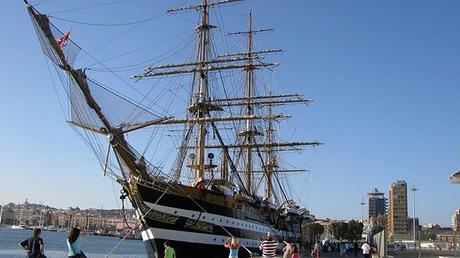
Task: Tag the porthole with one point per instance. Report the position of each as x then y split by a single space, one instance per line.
175 212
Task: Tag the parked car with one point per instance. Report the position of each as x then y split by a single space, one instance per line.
393 248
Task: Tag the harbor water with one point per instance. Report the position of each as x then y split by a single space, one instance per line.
56 247
101 246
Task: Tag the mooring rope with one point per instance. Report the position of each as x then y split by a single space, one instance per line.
138 224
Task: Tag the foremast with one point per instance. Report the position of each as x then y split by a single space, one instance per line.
201 107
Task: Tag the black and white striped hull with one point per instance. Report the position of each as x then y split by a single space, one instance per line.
187 245
197 228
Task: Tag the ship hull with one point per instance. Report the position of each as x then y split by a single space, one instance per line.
198 222
188 249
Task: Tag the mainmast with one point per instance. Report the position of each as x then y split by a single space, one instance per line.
249 133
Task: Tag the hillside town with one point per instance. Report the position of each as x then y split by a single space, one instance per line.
112 222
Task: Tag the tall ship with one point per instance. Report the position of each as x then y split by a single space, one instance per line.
198 154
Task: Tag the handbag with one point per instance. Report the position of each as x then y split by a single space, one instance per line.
79 255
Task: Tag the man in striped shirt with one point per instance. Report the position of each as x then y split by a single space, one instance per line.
269 246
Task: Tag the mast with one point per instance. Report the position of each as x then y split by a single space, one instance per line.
201 106
271 162
203 32
249 100
249 132
1 213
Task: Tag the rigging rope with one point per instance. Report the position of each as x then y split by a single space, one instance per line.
138 224
166 54
88 7
107 24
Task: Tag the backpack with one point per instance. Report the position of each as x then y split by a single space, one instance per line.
32 248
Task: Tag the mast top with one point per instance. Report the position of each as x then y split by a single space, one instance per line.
204 4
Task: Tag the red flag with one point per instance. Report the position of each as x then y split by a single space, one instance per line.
62 41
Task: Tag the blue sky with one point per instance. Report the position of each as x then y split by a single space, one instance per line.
384 76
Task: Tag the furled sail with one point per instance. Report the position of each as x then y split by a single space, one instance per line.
119 111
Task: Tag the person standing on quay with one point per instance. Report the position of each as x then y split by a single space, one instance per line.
366 250
169 251
233 245
287 250
34 245
295 251
317 249
268 246
74 244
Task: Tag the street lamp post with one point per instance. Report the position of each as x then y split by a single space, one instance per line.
413 219
362 209
455 179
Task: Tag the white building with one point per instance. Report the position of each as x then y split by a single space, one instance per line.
456 221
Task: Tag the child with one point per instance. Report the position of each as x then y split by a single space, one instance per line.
287 251
169 251
295 251
233 245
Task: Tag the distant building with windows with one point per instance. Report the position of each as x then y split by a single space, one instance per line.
456 221
430 226
377 203
397 211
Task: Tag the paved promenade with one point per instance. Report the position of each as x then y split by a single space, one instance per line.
404 254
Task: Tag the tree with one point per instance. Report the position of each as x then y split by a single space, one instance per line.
314 230
347 231
339 229
355 230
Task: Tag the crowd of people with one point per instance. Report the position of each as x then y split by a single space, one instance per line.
342 248
35 247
